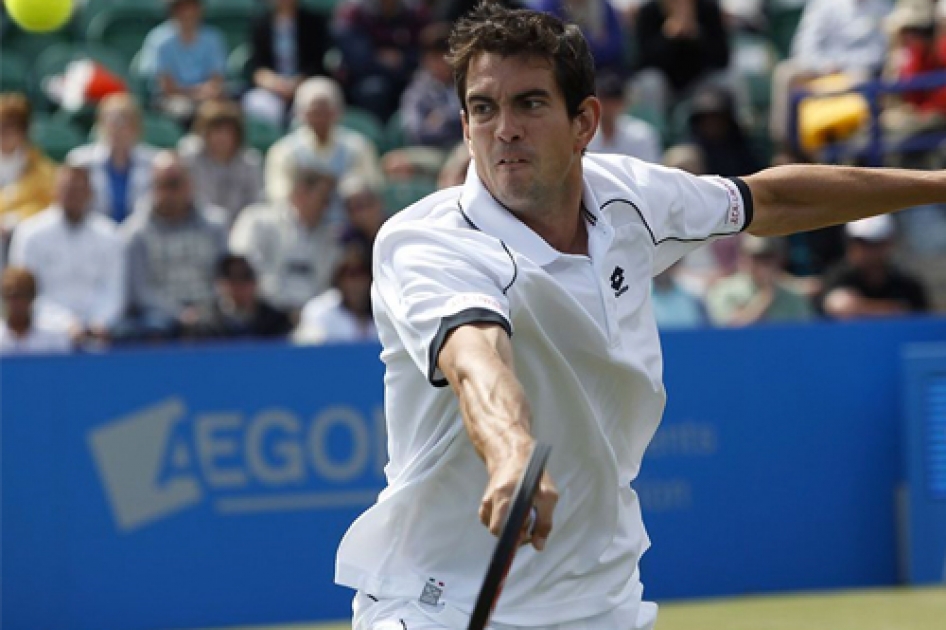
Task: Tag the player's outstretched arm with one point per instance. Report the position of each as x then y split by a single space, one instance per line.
800 197
476 360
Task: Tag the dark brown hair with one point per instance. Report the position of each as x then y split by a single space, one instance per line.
492 28
219 113
19 279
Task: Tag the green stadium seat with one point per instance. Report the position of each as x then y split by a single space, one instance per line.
394 137
93 8
13 73
159 131
261 134
55 135
238 63
234 19
783 22
326 7
124 27
365 123
398 195
30 46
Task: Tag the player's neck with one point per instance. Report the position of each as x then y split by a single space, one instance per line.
565 231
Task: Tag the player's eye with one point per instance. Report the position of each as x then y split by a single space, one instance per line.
480 109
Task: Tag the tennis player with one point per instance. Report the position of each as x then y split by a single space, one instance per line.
516 308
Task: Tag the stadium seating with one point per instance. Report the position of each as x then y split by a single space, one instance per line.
366 123
160 132
399 194
13 72
55 135
261 134
124 27
233 18
394 137
53 61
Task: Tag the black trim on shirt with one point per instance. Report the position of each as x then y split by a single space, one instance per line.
666 238
747 202
512 259
451 323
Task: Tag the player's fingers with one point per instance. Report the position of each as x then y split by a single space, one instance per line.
545 501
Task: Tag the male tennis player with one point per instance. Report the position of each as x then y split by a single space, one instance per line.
516 308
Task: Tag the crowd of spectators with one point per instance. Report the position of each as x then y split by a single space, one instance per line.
127 243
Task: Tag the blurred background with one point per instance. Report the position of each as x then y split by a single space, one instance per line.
191 391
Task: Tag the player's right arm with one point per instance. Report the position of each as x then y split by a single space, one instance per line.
476 360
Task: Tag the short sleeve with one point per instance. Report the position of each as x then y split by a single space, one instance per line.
430 281
683 211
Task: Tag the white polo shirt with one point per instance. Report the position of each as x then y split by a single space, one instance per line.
587 353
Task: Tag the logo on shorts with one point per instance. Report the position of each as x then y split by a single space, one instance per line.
617 282
432 592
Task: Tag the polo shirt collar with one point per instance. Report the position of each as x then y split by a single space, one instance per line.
485 213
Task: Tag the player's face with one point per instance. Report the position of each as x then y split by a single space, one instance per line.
526 149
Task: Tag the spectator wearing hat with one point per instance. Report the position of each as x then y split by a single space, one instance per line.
758 292
238 311
225 173
320 143
119 163
26 175
173 243
288 44
715 128
916 49
186 59
290 243
867 283
21 331
618 131
343 313
76 255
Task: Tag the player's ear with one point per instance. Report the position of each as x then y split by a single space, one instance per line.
586 122
466 125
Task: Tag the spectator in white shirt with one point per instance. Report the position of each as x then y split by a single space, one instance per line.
21 332
343 313
289 243
75 254
619 132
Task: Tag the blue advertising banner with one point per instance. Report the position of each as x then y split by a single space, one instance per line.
201 487
924 382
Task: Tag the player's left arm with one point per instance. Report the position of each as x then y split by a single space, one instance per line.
801 197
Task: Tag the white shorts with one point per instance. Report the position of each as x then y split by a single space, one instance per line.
411 614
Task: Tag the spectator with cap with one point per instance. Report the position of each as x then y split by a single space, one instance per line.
26 175
225 173
238 311
186 59
119 163
430 108
867 283
380 45
289 243
320 142
618 131
288 44
76 256
758 293
21 330
681 44
715 128
343 313
173 243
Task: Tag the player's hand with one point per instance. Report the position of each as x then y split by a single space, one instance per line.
498 499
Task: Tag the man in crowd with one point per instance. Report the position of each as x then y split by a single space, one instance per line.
76 255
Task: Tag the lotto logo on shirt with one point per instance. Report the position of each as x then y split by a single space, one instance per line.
158 461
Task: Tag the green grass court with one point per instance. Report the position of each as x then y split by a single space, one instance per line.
890 609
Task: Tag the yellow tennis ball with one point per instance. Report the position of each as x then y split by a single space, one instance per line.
39 16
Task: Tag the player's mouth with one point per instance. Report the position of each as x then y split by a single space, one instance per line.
511 162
